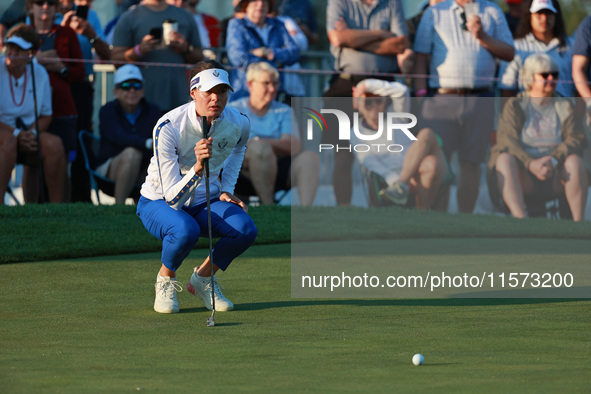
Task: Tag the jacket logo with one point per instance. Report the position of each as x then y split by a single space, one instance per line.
222 144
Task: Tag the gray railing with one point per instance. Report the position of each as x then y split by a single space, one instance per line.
315 75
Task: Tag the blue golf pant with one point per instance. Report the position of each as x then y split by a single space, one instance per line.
180 230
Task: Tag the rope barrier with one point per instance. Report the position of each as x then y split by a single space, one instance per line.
285 70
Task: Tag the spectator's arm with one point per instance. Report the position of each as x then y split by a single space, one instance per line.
236 45
102 49
43 121
497 48
288 53
137 52
501 44
389 47
573 140
511 122
581 66
124 54
356 38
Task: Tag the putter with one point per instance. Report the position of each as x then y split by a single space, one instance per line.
210 320
41 174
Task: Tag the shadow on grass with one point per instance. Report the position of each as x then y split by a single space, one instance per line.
254 306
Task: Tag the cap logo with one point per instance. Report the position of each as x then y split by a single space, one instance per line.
216 73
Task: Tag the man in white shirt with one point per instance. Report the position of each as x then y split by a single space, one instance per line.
457 44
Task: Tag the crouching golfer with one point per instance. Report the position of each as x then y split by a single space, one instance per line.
173 205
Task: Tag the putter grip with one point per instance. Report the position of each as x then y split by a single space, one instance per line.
205 135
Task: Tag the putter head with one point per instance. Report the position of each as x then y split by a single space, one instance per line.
210 321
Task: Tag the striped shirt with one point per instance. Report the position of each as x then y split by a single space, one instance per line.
457 58
510 71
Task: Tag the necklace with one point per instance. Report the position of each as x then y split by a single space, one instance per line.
24 91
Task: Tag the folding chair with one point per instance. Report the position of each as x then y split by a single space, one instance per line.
89 144
554 207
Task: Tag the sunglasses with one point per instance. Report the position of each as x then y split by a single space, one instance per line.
547 75
131 85
41 2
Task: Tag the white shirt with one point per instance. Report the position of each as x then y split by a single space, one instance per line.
510 71
378 158
171 174
19 102
457 58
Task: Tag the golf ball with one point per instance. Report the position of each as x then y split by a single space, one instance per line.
418 359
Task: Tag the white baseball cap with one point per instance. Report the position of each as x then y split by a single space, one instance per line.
127 73
210 78
539 5
21 42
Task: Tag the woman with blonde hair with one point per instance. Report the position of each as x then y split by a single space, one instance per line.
538 150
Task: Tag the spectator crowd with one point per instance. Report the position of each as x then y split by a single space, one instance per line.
498 86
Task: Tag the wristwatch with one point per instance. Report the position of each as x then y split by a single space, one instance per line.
93 40
64 72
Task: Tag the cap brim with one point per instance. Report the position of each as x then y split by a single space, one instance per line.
20 42
534 10
212 84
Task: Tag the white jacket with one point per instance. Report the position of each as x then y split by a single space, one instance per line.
171 174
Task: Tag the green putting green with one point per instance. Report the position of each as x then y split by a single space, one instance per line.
87 325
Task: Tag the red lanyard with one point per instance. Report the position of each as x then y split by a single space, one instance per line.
12 90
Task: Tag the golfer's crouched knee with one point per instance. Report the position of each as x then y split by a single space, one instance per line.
186 234
247 232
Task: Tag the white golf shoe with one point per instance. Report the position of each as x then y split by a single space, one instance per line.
201 287
166 300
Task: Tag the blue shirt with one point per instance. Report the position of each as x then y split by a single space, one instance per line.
242 37
118 133
583 41
275 123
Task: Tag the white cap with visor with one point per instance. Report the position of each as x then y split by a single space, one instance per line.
210 78
539 5
21 42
